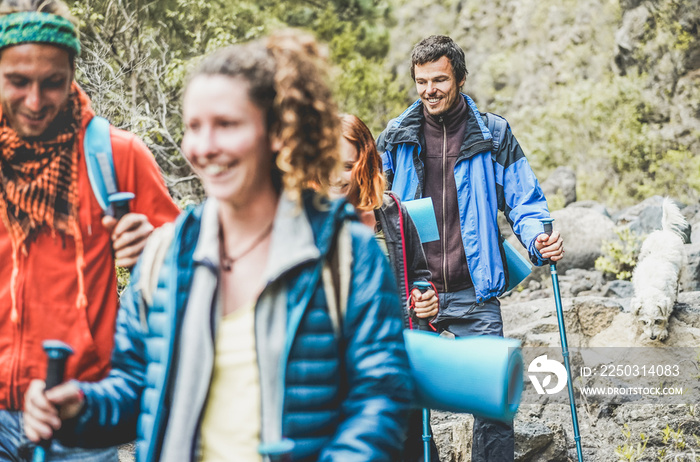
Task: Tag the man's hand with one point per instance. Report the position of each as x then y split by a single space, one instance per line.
551 247
425 304
129 237
41 410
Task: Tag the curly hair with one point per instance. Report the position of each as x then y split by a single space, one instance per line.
287 78
367 184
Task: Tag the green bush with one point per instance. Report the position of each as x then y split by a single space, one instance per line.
619 256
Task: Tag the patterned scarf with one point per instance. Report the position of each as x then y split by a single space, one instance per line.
38 183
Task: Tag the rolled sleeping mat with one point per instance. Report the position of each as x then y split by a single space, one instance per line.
519 267
480 375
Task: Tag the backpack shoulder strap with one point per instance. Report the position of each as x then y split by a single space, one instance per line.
336 275
100 165
498 126
151 260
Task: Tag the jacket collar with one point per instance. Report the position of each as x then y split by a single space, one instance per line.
292 241
407 128
207 250
301 233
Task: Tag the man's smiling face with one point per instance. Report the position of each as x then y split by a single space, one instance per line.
436 85
35 82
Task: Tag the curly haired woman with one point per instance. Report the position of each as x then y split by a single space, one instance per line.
236 354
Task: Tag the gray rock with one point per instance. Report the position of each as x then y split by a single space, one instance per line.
593 205
690 275
646 217
535 441
584 231
632 214
453 435
627 37
562 182
619 289
595 314
576 281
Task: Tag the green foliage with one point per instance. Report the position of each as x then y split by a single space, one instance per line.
621 129
123 277
672 446
631 450
673 438
555 202
579 111
137 55
619 256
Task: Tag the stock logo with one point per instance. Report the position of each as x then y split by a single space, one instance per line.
550 367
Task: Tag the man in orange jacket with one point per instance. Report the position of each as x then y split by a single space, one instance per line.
58 280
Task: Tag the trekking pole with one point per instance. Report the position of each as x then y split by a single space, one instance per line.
58 353
423 324
547 222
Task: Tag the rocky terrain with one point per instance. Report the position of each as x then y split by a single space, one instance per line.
596 314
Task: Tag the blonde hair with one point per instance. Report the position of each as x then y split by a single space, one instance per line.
287 78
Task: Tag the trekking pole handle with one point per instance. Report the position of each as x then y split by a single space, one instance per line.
547 224
120 203
548 228
57 352
423 287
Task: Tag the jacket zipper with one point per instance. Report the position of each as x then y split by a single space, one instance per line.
444 205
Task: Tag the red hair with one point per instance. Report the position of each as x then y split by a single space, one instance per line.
367 185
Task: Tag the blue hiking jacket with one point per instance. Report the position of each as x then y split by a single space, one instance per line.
345 396
486 183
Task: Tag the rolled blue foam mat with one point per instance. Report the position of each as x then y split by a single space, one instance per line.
423 215
519 267
480 375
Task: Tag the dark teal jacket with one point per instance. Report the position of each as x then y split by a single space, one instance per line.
344 398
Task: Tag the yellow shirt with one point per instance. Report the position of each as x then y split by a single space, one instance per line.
230 430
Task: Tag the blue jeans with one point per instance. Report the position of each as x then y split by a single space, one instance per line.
459 314
12 437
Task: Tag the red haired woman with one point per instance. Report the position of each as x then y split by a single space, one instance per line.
362 182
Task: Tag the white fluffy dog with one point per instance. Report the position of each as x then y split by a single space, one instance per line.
656 276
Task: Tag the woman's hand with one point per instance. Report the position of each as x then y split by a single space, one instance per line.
425 304
42 416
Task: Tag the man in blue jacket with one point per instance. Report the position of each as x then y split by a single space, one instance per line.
440 147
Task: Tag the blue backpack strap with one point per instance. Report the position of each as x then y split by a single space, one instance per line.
517 268
497 125
100 165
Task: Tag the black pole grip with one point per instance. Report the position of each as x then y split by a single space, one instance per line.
547 224
57 353
548 228
423 323
120 203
